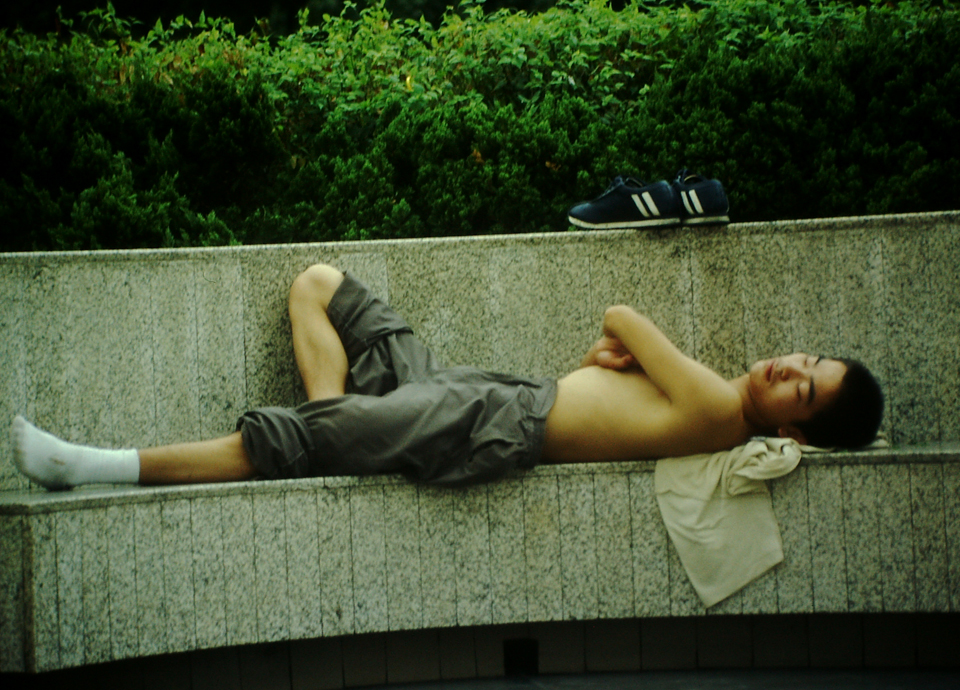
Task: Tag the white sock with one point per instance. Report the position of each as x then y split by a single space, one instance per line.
57 464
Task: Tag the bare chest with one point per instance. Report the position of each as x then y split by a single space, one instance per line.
609 415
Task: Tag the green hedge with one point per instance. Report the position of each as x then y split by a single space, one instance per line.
188 134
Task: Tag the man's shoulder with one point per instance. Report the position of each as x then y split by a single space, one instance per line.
717 415
720 403
711 395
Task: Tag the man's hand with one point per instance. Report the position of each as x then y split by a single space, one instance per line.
608 352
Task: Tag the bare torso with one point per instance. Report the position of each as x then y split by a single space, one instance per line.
605 414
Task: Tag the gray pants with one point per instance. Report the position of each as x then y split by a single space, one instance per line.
403 413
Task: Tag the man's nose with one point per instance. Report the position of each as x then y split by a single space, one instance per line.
790 370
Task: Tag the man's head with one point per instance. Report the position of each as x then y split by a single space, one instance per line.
818 401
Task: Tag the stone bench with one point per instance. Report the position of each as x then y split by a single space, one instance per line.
117 573
145 347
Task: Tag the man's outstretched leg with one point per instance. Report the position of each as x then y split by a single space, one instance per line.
217 460
57 464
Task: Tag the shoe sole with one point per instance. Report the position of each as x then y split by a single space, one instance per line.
707 220
658 222
630 224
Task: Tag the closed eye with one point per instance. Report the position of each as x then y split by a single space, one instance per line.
813 389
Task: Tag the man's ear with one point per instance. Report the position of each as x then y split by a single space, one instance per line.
794 433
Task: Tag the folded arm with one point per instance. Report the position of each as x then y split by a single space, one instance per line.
610 353
632 340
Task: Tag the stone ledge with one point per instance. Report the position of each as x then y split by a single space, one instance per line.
108 574
80 498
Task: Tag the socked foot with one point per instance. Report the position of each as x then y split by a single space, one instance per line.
36 454
57 464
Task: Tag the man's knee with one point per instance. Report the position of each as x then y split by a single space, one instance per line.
316 284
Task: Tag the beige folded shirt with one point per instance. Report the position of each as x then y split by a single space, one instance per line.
719 516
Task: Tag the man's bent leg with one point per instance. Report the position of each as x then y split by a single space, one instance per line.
316 344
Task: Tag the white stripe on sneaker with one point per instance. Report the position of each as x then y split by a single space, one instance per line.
643 210
688 197
696 200
652 206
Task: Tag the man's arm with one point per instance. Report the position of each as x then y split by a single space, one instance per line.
608 352
683 380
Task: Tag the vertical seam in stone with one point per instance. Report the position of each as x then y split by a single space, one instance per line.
153 278
792 288
106 550
741 290
56 560
320 598
775 490
255 578
416 488
871 480
193 570
952 603
243 321
15 623
382 515
690 312
563 603
489 606
596 561
630 547
161 538
928 291
830 242
285 518
223 569
943 532
196 344
881 573
633 546
136 580
353 588
108 584
593 584
29 598
890 402
455 529
526 561
695 324
874 475
913 530
286 569
844 505
561 573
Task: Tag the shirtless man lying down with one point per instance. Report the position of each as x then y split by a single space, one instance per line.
378 402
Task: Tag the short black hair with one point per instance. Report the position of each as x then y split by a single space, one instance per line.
852 419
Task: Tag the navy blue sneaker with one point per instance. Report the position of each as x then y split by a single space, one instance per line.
629 203
702 201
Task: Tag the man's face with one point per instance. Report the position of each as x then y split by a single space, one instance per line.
793 388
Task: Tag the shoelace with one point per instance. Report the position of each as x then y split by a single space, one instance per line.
687 177
626 181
